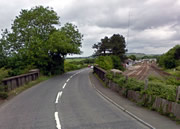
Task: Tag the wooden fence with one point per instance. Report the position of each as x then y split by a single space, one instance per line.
17 81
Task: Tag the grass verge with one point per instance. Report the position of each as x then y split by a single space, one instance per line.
27 86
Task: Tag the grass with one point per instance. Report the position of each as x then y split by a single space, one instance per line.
75 59
27 86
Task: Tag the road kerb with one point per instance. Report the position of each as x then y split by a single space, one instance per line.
120 107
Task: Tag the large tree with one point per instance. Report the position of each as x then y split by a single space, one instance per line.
36 39
115 45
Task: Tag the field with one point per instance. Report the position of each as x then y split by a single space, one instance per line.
74 59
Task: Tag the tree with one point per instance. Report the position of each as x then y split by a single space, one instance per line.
34 40
71 31
102 47
171 58
132 57
115 45
118 45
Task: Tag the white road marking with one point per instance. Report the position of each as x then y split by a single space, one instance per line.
68 80
58 95
58 124
64 85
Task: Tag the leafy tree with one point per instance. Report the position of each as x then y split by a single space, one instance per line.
72 32
132 57
171 58
118 45
115 45
102 47
35 40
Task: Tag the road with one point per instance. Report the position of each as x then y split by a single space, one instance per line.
67 101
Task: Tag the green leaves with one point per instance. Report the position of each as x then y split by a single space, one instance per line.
171 58
115 45
37 40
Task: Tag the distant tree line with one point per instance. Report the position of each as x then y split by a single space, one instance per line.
36 40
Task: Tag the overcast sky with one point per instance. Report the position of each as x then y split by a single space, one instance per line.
154 25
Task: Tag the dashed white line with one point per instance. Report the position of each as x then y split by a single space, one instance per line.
58 124
64 85
68 80
58 95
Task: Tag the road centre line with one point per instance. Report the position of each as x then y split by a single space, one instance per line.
58 96
67 80
64 85
58 124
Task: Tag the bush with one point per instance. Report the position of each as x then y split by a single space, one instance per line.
117 64
104 62
130 84
158 87
69 66
3 73
162 90
3 95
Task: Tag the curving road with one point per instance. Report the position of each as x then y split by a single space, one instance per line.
67 101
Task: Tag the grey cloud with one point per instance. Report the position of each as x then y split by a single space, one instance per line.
154 24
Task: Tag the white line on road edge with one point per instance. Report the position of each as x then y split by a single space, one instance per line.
58 124
64 85
58 95
120 107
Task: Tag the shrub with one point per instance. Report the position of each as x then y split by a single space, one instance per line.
104 62
69 66
162 90
117 64
3 95
3 73
158 87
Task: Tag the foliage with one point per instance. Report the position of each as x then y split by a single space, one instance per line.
3 74
69 66
89 61
132 57
157 86
171 59
115 45
162 90
37 41
104 62
3 95
117 63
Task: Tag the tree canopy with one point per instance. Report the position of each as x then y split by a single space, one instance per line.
171 59
115 45
37 40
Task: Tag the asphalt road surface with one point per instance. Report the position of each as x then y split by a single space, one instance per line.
67 101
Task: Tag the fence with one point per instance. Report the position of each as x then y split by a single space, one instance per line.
17 81
100 72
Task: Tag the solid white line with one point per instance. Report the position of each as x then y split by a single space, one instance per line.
120 107
58 124
64 85
58 95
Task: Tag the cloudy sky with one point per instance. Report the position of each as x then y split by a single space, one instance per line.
153 25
